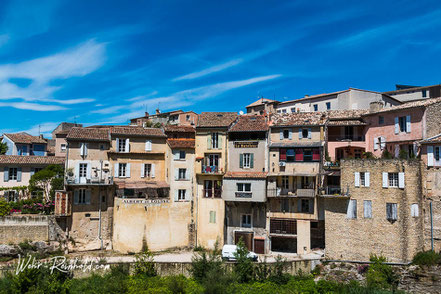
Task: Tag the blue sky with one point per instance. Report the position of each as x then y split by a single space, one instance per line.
107 61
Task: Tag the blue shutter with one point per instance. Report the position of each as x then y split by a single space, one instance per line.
18 174
300 134
6 174
88 192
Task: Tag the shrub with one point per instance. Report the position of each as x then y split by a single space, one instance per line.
243 269
403 154
4 208
368 155
278 274
427 258
205 262
381 275
386 155
144 264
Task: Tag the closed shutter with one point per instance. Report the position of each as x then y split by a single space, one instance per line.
414 210
367 179
76 196
187 174
376 143
176 195
142 170
311 205
86 147
290 134
309 133
82 149
175 154
241 160
394 211
401 180
220 146
385 180
300 134
176 173
127 145
6 174
88 171
77 172
117 145
252 160
299 154
367 209
148 145
88 192
383 143
316 154
352 209
18 174
209 141
397 126
116 172
153 170
281 134
357 179
429 155
282 153
407 123
128 170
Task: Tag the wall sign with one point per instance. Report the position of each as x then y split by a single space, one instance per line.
252 144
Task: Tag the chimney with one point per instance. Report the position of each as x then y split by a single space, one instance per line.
41 136
375 106
158 111
146 114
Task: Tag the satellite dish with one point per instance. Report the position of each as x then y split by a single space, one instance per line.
241 112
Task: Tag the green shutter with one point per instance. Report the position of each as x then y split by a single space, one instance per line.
241 161
252 160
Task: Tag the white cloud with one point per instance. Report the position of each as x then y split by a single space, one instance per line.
71 101
107 110
210 70
31 106
44 128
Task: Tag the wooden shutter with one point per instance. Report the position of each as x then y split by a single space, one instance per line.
376 144
385 180
115 172
6 174
252 160
300 134
281 134
127 145
76 196
367 209
383 143
128 170
209 141
142 170
367 179
148 145
401 180
309 133
175 154
429 155
357 179
82 149
397 126
241 160
407 123
88 171
176 195
414 211
153 170
290 134
117 145
18 174
176 173
86 147
282 154
88 192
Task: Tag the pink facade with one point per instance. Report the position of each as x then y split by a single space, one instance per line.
390 129
349 149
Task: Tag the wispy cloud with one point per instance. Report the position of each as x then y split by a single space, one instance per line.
44 128
107 110
31 106
210 70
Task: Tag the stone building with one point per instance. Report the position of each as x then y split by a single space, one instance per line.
294 214
211 165
381 215
25 144
59 135
244 184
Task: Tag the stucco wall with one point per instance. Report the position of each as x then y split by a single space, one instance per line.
208 233
260 163
258 190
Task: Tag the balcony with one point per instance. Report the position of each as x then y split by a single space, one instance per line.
210 169
279 192
244 195
335 191
212 193
283 226
105 181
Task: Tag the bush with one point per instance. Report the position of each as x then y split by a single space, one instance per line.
368 155
4 208
144 264
278 274
202 263
403 154
427 258
243 269
386 155
381 275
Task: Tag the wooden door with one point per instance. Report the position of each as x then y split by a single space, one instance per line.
259 246
247 239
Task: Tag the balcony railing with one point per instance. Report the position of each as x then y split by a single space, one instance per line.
339 138
281 192
244 194
89 181
210 169
210 193
336 191
283 226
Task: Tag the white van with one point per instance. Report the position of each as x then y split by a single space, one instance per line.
229 251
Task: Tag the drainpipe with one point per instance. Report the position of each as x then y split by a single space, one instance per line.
431 226
99 210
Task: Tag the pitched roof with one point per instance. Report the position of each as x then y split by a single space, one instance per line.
89 134
136 131
346 114
346 122
434 139
18 159
409 89
249 123
216 119
408 105
181 143
243 175
298 119
25 138
261 101
179 129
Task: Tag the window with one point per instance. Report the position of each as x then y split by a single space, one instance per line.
121 145
285 182
212 159
102 147
244 187
13 173
352 209
278 111
122 169
63 147
37 169
82 196
293 110
305 133
182 154
285 134
367 208
363 179
212 217
402 123
424 92
328 105
246 160
307 155
305 206
11 196
82 173
181 174
391 211
393 179
315 107
284 205
187 117
147 170
358 153
181 194
414 210
246 221
381 120
437 153
215 140
283 110
290 155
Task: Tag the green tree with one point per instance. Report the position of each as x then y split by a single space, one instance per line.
3 148
144 264
48 179
243 269
4 208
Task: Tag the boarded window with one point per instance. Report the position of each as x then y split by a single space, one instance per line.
352 209
367 209
414 210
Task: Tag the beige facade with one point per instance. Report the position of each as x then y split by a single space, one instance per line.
383 214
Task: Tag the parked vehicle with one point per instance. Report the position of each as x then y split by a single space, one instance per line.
229 251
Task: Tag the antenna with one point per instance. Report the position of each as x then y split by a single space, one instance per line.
39 133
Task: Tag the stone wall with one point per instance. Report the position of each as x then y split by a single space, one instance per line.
357 238
16 229
433 120
432 195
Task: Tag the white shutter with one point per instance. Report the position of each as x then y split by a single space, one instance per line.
300 134
176 195
187 174
429 155
115 172
401 180
383 143
352 209
414 211
367 209
385 180
142 170
367 179
281 134
88 170
376 145
394 211
86 147
127 145
148 145
309 133
77 172
357 179
176 173
175 154
290 134
187 195
407 123
153 170
397 127
82 149
128 170
117 145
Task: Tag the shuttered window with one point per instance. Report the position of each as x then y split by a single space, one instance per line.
391 211
352 209
367 209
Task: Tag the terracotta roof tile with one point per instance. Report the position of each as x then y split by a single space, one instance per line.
18 159
408 105
136 131
261 101
181 143
249 123
89 134
179 129
346 114
298 119
25 138
346 122
250 175
434 139
216 119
